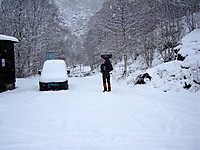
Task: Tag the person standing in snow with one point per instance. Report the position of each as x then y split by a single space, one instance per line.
106 67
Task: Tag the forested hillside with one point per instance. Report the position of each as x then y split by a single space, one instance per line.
139 28
39 28
79 31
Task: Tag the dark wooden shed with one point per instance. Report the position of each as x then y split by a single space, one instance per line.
7 63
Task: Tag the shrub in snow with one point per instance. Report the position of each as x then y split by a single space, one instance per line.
142 78
181 58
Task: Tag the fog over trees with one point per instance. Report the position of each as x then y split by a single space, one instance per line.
80 31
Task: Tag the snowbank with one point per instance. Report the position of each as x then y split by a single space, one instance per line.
8 38
178 75
80 71
171 76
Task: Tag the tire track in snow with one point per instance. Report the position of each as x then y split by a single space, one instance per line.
85 118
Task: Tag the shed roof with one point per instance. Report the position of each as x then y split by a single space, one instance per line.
8 38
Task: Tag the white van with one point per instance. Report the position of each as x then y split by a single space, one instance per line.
54 76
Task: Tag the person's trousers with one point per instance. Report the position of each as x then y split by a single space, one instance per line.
106 81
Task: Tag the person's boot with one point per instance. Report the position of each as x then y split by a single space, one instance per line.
109 88
105 89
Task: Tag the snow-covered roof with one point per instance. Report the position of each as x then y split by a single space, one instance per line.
54 71
8 38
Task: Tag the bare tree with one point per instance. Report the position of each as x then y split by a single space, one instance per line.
132 28
169 29
115 22
39 29
190 7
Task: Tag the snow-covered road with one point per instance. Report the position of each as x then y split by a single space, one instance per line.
85 118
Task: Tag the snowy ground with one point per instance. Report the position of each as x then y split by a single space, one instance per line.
85 118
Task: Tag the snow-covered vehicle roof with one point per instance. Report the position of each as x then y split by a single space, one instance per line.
54 71
8 38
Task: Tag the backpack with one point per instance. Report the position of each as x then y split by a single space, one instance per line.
108 64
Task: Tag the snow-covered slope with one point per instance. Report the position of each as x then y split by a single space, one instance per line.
76 13
85 118
179 74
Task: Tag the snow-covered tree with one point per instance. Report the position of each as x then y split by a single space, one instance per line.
39 29
190 7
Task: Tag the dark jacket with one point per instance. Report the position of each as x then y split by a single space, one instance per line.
104 69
